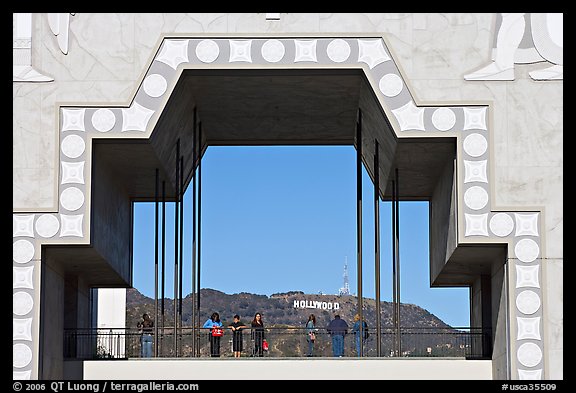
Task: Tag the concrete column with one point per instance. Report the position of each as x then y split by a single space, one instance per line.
500 356
65 306
481 315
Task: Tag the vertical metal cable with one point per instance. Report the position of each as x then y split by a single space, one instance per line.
156 264
193 292
181 241
163 267
176 195
359 222
399 331
199 230
377 248
394 300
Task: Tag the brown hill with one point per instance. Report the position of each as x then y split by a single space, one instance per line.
278 309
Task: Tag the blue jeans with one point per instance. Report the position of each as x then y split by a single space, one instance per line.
146 346
310 347
337 345
358 344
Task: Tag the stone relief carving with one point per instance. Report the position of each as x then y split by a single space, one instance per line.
525 38
22 69
59 24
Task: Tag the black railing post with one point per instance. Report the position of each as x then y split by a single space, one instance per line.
193 291
199 231
377 248
394 299
359 224
176 195
118 346
181 236
397 248
156 265
163 266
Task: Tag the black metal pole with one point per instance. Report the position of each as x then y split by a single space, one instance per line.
359 222
199 230
377 248
163 258
156 264
399 332
180 276
394 318
176 192
193 318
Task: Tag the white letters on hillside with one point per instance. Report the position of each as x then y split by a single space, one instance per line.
316 304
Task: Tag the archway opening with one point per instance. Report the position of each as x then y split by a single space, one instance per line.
283 107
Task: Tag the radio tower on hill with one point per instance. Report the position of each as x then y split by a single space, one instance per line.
345 290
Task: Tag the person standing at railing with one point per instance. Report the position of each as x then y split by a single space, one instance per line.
337 328
145 327
213 323
258 334
360 339
237 327
311 334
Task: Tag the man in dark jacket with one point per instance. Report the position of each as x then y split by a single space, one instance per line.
337 329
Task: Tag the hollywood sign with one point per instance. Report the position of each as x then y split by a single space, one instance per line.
316 304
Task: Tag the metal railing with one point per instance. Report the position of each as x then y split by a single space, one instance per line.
283 342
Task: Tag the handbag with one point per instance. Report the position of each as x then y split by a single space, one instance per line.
312 336
264 345
217 331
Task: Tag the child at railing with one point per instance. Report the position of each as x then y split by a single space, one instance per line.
237 327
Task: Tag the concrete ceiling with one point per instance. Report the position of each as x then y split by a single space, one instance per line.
420 163
469 261
257 107
134 163
84 261
306 107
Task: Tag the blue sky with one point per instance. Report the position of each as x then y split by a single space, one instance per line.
282 218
